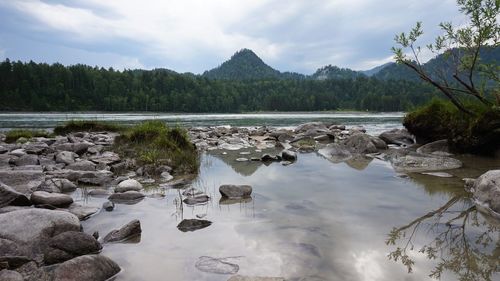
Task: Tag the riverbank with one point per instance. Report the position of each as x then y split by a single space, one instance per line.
101 173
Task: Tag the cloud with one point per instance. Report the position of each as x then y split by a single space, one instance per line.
192 35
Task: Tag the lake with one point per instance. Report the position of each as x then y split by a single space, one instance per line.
312 220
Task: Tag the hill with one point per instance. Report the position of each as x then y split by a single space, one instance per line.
334 72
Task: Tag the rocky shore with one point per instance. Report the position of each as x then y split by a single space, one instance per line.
41 237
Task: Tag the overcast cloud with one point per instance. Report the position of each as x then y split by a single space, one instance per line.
196 35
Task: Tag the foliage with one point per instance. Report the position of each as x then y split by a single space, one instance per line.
152 142
87 126
14 135
461 46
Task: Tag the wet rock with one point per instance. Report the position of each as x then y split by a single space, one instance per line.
10 275
82 212
81 147
83 165
98 193
23 181
192 192
232 201
270 158
128 185
439 147
9 196
439 174
130 197
192 224
86 268
379 143
398 137
128 231
65 157
106 158
310 126
57 186
3 149
360 143
216 265
108 206
288 155
199 199
18 152
235 191
487 191
335 153
54 199
423 162
253 278
68 245
166 176
27 159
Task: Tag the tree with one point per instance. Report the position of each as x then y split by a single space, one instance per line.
462 46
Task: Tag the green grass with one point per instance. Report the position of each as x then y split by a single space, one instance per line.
14 135
87 126
153 142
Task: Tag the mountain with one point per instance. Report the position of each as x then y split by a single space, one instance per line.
334 72
246 65
375 70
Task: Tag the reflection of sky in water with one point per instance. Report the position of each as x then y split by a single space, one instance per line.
312 218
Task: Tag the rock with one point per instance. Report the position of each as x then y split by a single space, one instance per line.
253 278
126 197
54 199
310 125
242 159
23 181
108 206
216 265
199 199
436 146
360 143
29 230
270 158
335 153
439 174
128 231
192 192
423 162
81 147
3 149
10 275
487 191
166 176
70 244
192 224
288 155
18 152
27 159
82 212
128 185
9 196
98 193
379 143
86 268
106 158
57 185
397 136
235 191
65 157
83 165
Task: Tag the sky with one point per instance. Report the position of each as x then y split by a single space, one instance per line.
198 35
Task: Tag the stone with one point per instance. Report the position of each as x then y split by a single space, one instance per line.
192 192
270 158
439 174
82 212
10 275
216 265
254 278
128 185
86 268
66 157
235 191
18 152
68 245
423 162
57 185
3 149
397 136
289 155
360 143
242 159
436 146
54 199
486 190
23 181
81 147
83 165
195 200
9 196
128 231
126 197
192 224
310 125
379 143
108 206
335 153
106 158
166 176
27 159
98 193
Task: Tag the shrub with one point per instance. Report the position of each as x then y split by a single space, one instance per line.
14 135
87 126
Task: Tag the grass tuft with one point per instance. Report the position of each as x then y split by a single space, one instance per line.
87 126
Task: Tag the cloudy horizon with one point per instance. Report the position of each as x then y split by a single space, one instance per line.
194 36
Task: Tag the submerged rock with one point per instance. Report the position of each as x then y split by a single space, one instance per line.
128 231
54 199
398 137
126 197
192 225
86 268
335 153
216 265
198 199
288 155
436 147
423 163
235 191
486 190
10 275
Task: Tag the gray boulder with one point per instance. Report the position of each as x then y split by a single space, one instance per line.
360 143
86 268
84 165
82 212
487 191
335 153
10 275
398 137
235 191
128 231
108 206
23 181
68 245
288 155
54 199
9 196
128 185
106 158
417 162
65 157
126 197
440 147
27 159
198 199
192 224
310 126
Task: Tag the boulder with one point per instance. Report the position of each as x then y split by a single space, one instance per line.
68 245
82 212
440 147
198 199
192 224
106 158
9 196
27 159
54 199
18 152
86 268
398 137
65 157
81 147
108 206
360 143
335 153
126 197
23 181
310 125
128 231
379 143
57 185
84 165
288 155
235 191
128 185
487 191
10 275
423 162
